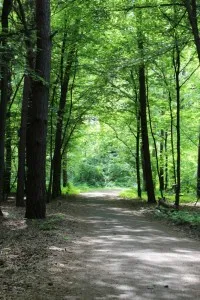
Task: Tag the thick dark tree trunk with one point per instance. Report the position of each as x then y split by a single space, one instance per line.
143 115
7 6
37 128
144 130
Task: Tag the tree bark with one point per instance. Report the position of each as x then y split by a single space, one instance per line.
145 139
8 162
57 158
198 170
21 175
7 6
166 161
30 64
178 133
37 128
65 175
137 157
191 8
161 171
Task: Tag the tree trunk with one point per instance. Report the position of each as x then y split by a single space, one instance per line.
172 137
57 158
178 160
7 6
144 185
21 175
166 161
65 175
30 63
49 192
155 150
137 157
37 128
161 171
198 170
8 163
191 8
144 130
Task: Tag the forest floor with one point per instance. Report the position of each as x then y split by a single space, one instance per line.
95 246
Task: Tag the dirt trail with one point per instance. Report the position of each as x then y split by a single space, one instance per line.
113 252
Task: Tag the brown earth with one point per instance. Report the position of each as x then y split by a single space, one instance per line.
95 246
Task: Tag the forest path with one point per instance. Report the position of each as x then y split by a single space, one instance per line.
122 255
112 251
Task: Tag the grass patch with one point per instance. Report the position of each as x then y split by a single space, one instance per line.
129 194
70 189
181 217
184 198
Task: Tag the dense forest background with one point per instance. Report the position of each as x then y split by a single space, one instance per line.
103 93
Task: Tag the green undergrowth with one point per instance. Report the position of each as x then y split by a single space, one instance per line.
70 189
184 198
179 217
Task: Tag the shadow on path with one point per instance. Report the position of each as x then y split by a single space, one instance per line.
122 255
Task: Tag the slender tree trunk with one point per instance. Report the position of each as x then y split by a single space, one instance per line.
7 6
166 161
57 158
178 160
37 128
49 193
26 102
21 175
137 156
198 170
161 171
144 185
65 175
155 150
172 137
8 163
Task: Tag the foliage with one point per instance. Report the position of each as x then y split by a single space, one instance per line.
169 195
129 194
180 217
70 189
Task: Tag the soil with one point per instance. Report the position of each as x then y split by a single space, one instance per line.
95 246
